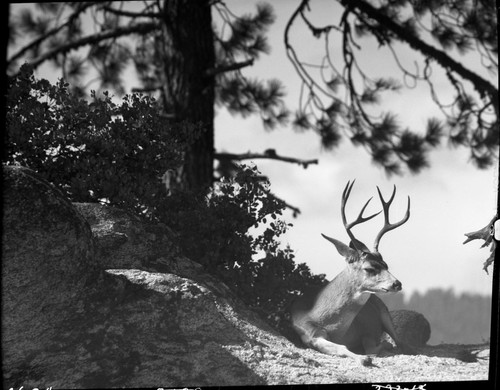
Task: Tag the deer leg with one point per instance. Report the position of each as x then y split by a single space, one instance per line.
321 344
387 325
389 329
371 346
316 337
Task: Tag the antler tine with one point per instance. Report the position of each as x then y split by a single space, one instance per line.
345 195
360 218
387 225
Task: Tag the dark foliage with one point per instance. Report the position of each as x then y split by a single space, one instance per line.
96 150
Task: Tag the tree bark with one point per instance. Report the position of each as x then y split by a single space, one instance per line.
189 89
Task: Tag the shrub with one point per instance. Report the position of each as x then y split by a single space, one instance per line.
96 150
217 231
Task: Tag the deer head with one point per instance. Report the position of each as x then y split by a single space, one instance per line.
366 268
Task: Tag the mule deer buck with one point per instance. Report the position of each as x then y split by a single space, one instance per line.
345 317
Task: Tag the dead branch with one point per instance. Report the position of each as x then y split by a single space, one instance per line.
229 67
486 234
269 154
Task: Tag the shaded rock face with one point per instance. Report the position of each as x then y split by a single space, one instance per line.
76 313
125 240
47 266
169 330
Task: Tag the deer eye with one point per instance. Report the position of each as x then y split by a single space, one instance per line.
370 271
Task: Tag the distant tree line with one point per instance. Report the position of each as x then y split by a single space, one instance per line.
457 319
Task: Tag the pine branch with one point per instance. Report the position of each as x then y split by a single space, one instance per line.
309 81
55 30
132 14
139 28
229 67
269 154
481 85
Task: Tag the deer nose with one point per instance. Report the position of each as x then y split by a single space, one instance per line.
397 286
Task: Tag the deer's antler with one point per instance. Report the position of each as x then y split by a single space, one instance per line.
387 225
345 195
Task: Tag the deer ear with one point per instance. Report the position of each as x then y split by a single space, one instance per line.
342 248
358 245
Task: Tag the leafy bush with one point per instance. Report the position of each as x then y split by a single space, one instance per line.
119 152
96 150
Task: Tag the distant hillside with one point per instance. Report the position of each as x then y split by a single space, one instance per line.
458 319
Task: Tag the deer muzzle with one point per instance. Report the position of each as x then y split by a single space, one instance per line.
397 286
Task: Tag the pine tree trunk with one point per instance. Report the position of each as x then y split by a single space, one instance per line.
189 91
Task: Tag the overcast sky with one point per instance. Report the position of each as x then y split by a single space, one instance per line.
447 200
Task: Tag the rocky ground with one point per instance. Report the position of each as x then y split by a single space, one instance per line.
439 363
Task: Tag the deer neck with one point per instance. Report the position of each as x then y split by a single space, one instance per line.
344 291
339 303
